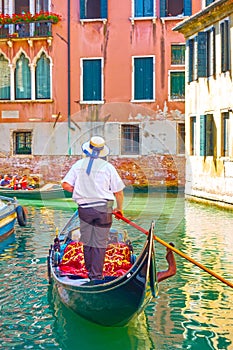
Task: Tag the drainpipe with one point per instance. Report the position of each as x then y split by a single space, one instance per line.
68 76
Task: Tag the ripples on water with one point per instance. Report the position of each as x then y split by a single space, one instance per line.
193 309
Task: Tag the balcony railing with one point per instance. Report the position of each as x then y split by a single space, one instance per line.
26 30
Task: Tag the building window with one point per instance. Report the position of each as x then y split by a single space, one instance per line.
211 52
202 54
4 7
143 79
92 80
177 54
177 85
181 138
93 9
22 142
22 6
193 136
130 139
144 8
171 8
42 5
191 60
225 134
225 46
4 79
207 135
43 78
27 83
22 79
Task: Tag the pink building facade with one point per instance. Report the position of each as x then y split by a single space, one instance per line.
94 67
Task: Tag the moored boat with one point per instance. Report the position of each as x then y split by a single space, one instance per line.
125 289
10 212
49 191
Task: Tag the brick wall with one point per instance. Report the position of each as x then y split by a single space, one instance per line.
154 170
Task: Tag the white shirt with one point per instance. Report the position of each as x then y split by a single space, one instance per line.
101 184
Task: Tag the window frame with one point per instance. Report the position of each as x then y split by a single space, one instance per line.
187 9
180 138
32 70
84 17
225 134
225 40
135 129
16 80
2 78
133 97
48 77
82 101
170 72
141 17
193 136
207 135
183 48
14 142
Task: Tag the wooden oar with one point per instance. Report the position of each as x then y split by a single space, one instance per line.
121 217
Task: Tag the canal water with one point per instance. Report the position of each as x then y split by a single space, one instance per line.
193 310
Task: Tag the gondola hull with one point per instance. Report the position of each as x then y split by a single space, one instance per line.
9 214
36 194
113 301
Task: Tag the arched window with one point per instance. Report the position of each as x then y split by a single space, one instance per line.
22 79
4 79
43 78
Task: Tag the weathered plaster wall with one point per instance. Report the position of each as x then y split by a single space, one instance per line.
159 171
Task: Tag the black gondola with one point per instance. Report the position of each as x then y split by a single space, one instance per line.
113 301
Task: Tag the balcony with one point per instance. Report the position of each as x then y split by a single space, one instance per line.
27 25
37 29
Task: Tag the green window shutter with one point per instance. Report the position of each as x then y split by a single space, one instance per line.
178 54
163 11
202 135
143 78
104 9
4 79
187 7
143 8
43 78
190 44
202 54
214 51
92 80
225 46
22 79
82 9
210 135
148 8
138 8
177 85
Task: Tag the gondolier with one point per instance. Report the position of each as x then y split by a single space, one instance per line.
95 183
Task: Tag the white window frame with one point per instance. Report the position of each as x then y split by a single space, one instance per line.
133 82
169 85
81 80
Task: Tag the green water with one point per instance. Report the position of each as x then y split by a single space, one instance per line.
193 309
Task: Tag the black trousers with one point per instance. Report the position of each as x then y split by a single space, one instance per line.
95 223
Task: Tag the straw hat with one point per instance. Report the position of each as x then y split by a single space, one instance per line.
96 143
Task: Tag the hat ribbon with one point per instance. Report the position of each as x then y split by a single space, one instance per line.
94 155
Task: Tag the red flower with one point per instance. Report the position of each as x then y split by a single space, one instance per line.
28 17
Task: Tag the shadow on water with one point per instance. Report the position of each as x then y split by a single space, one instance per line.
73 332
